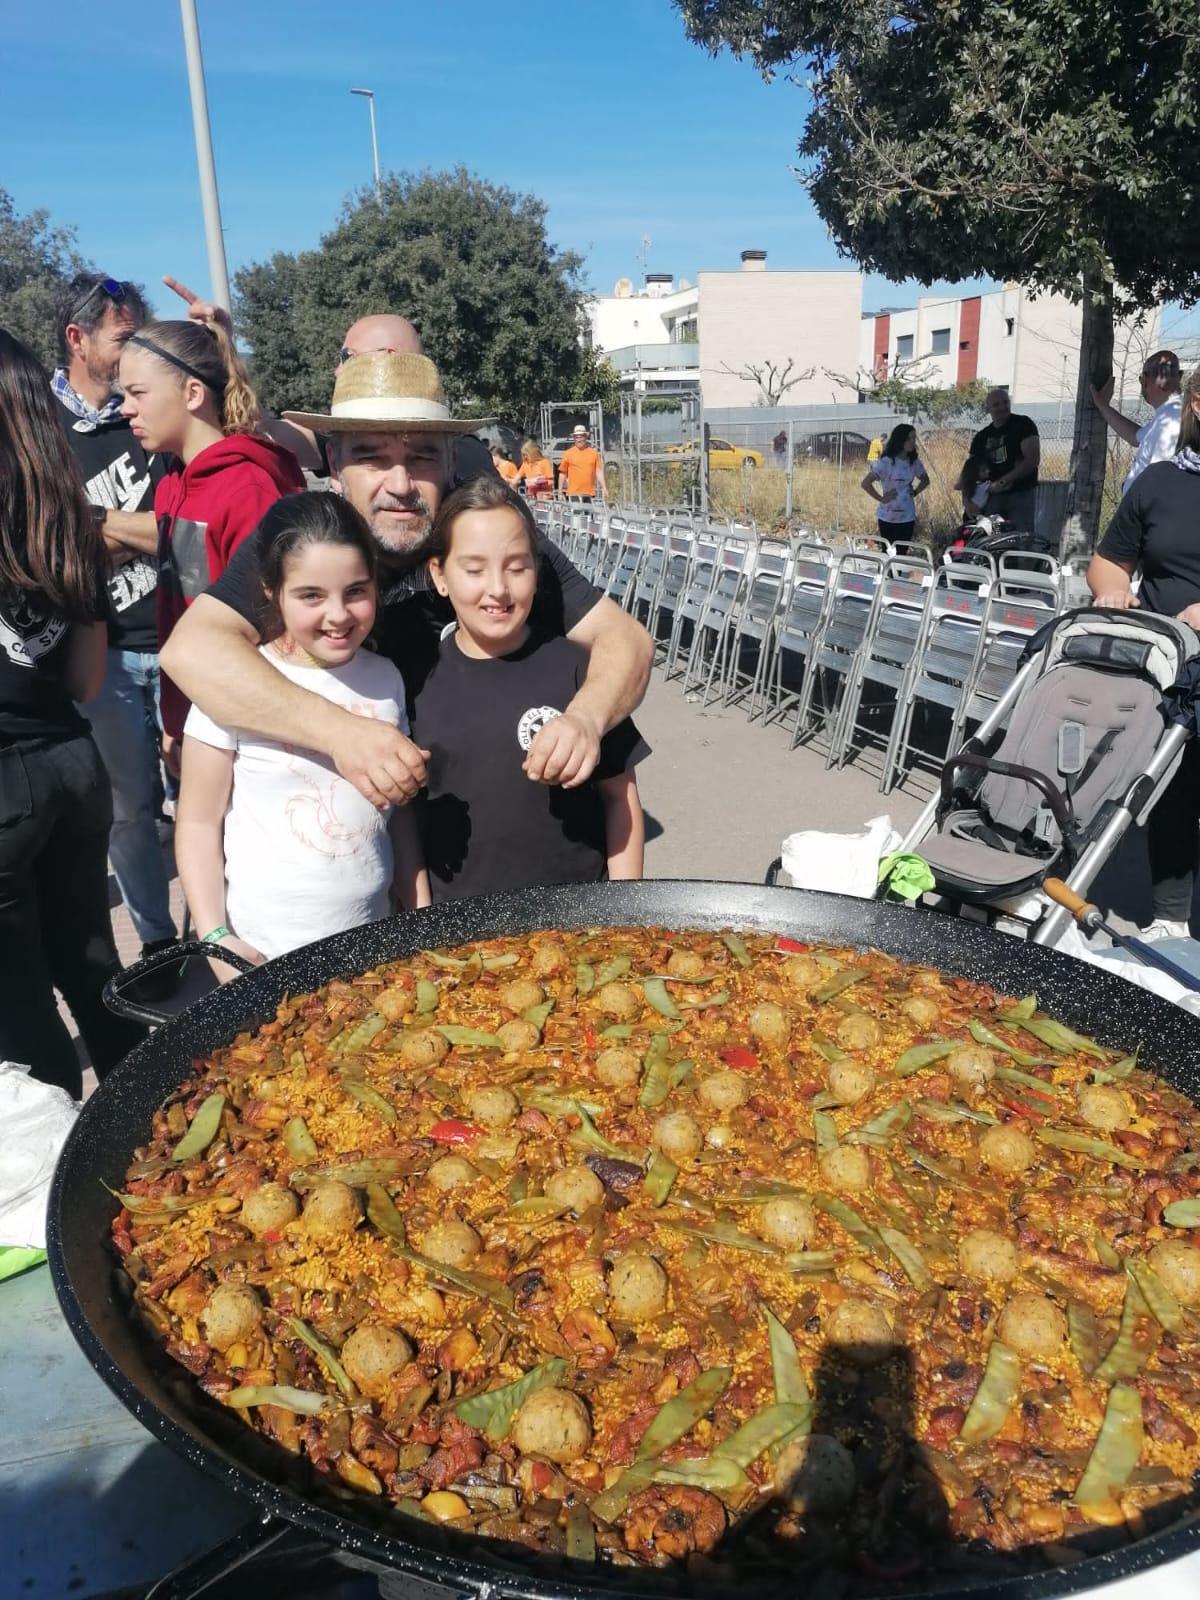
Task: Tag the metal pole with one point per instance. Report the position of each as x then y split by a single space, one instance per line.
369 96
218 272
791 468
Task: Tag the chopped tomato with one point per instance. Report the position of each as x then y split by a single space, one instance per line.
738 1056
541 1476
590 1037
454 1132
792 945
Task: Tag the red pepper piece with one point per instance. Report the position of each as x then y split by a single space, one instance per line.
793 946
738 1056
541 1476
454 1132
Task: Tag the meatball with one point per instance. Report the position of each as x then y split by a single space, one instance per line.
1007 1149
862 1331
424 1049
269 1209
451 1172
678 1136
724 1091
232 1315
803 972
921 1010
1102 1106
618 1000
520 994
618 1069
373 1355
685 964
846 1166
1033 1326
1178 1265
971 1066
770 1024
850 1081
455 1244
331 1211
577 1188
983 1253
396 1004
548 959
553 1423
637 1288
858 1031
788 1221
517 1034
493 1106
815 1474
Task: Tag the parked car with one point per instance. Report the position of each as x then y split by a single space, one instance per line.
835 446
721 454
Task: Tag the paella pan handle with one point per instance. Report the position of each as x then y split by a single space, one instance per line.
125 1005
199 1575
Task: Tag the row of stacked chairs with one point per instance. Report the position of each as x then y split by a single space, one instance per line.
853 639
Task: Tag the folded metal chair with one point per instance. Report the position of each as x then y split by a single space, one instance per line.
1075 752
801 614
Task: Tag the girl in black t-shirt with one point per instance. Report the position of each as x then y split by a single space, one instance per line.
55 802
486 825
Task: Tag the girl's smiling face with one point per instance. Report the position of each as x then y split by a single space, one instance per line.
327 601
489 575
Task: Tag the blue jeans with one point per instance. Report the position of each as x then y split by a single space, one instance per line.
126 728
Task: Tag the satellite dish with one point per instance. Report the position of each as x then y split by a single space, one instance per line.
623 288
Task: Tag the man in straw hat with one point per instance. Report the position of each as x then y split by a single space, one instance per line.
389 433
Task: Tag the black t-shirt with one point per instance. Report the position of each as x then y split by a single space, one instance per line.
412 614
118 474
1157 528
486 826
1001 447
35 707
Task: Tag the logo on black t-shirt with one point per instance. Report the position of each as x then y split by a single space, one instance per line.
532 722
27 632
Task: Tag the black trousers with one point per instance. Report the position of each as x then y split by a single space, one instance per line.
893 531
55 927
1173 839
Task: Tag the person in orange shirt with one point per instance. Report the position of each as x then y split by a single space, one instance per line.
535 471
581 469
504 466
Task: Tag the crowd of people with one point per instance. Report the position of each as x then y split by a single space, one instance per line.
185 626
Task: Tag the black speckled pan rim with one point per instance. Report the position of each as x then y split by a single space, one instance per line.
117 1116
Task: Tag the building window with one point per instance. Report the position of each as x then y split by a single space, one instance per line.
939 342
904 347
1009 326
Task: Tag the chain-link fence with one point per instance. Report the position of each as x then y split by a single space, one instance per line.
788 469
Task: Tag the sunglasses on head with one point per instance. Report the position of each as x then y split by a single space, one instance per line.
109 286
346 354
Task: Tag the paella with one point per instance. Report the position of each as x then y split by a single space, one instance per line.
647 1247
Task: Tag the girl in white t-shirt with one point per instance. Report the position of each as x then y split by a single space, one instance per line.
275 849
895 481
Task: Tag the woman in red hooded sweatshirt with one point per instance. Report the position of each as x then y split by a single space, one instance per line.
187 396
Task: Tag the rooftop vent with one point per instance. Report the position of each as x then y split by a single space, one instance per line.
754 260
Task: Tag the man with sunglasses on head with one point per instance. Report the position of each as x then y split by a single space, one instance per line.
95 315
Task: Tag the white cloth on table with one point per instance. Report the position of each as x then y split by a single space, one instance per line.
36 1118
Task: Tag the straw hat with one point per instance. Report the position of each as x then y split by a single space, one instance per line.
385 393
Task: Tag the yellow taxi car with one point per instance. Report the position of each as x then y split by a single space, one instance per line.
722 455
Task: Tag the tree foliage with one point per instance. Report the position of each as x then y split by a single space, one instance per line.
1050 141
925 402
36 259
469 262
597 379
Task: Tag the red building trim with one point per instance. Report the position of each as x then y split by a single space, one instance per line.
882 331
968 340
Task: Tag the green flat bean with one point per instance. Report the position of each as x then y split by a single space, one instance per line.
371 1098
1124 1359
1116 1451
764 1430
1084 1145
1057 1036
826 1132
498 963
427 996
1022 1011
358 1174
715 1473
953 1111
884 1127
683 1411
909 1257
539 1015
655 991
660 1178
736 946
656 1082
923 1055
717 1232
984 1035
791 1387
351 1040
493 1411
1028 1080
1183 1213
202 1130
849 1219
579 1535
995 1396
475 1037
590 1134
324 1353
612 970
1164 1307
585 977
838 984
1084 1333
298 1142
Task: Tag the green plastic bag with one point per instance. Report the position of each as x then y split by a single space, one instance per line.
16 1258
908 876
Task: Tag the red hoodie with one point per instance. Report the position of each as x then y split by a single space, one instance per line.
204 512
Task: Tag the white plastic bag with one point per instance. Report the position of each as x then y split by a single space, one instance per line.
36 1118
840 863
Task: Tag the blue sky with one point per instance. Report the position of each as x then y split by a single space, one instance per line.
602 108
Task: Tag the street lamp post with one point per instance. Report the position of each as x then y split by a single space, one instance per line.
217 270
369 96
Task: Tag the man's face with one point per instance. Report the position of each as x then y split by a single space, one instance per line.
396 480
998 407
580 437
100 350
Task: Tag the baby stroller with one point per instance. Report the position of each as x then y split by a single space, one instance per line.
1076 751
994 537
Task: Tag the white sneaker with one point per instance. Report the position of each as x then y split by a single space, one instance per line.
1162 928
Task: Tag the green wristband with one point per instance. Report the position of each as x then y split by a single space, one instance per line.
217 935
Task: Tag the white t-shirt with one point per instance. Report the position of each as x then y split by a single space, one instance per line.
1157 439
898 475
306 855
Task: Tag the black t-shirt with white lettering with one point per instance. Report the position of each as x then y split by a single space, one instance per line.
486 827
118 474
1000 446
412 614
